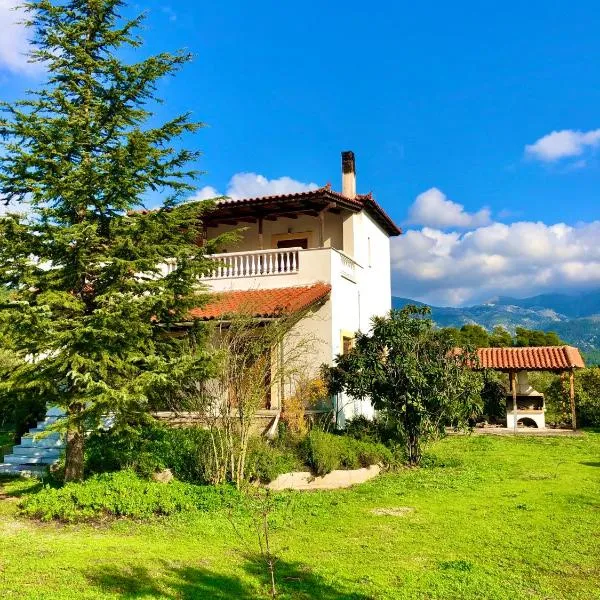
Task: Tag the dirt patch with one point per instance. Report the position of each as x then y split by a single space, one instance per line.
397 511
12 527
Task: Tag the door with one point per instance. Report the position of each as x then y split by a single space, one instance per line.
293 243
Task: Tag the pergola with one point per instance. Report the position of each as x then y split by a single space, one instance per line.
557 359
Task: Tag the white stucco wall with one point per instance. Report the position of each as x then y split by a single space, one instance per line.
359 274
306 347
372 251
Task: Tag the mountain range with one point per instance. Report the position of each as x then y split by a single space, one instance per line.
575 318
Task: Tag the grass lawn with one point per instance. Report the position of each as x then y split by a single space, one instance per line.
488 517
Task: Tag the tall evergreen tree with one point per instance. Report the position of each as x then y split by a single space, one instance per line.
91 304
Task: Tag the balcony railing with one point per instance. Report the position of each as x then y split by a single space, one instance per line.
255 263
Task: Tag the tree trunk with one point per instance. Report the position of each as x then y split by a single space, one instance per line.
572 400
75 447
413 449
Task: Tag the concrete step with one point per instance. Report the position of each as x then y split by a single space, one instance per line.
53 436
55 412
22 471
43 444
36 430
34 451
48 421
19 459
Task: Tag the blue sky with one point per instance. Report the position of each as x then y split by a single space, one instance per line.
442 103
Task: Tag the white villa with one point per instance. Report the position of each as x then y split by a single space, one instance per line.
320 250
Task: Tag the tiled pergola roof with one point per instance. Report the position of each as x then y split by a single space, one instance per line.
532 358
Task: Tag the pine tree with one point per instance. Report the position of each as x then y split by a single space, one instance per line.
90 303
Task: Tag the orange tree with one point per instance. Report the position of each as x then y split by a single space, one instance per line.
412 373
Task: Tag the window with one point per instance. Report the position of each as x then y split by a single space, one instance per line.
347 343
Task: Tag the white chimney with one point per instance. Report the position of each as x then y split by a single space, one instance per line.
348 174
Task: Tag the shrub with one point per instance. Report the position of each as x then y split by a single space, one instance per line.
265 462
371 454
321 452
146 450
381 430
588 398
361 428
309 393
325 452
188 453
123 494
133 448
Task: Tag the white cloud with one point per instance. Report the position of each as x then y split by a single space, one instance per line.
523 258
433 209
206 193
14 40
252 185
563 144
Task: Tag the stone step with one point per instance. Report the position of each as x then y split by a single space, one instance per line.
36 435
22 471
36 430
45 442
55 412
48 421
19 459
35 451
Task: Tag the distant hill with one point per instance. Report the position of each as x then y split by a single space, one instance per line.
576 319
582 305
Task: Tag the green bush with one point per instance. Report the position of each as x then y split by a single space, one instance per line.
588 397
188 453
133 448
321 452
361 428
380 430
146 450
265 461
326 452
123 494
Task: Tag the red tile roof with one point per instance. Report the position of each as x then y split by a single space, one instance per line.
540 358
360 202
262 303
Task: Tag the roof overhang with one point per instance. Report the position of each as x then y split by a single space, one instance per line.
250 210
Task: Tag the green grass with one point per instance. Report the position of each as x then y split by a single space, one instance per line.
493 518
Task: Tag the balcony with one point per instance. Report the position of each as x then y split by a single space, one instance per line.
255 264
282 267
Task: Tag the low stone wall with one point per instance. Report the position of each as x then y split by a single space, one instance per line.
302 480
262 422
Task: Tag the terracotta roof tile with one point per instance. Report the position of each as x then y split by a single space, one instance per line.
540 358
262 303
360 202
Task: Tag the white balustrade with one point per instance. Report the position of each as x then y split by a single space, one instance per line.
253 264
348 267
